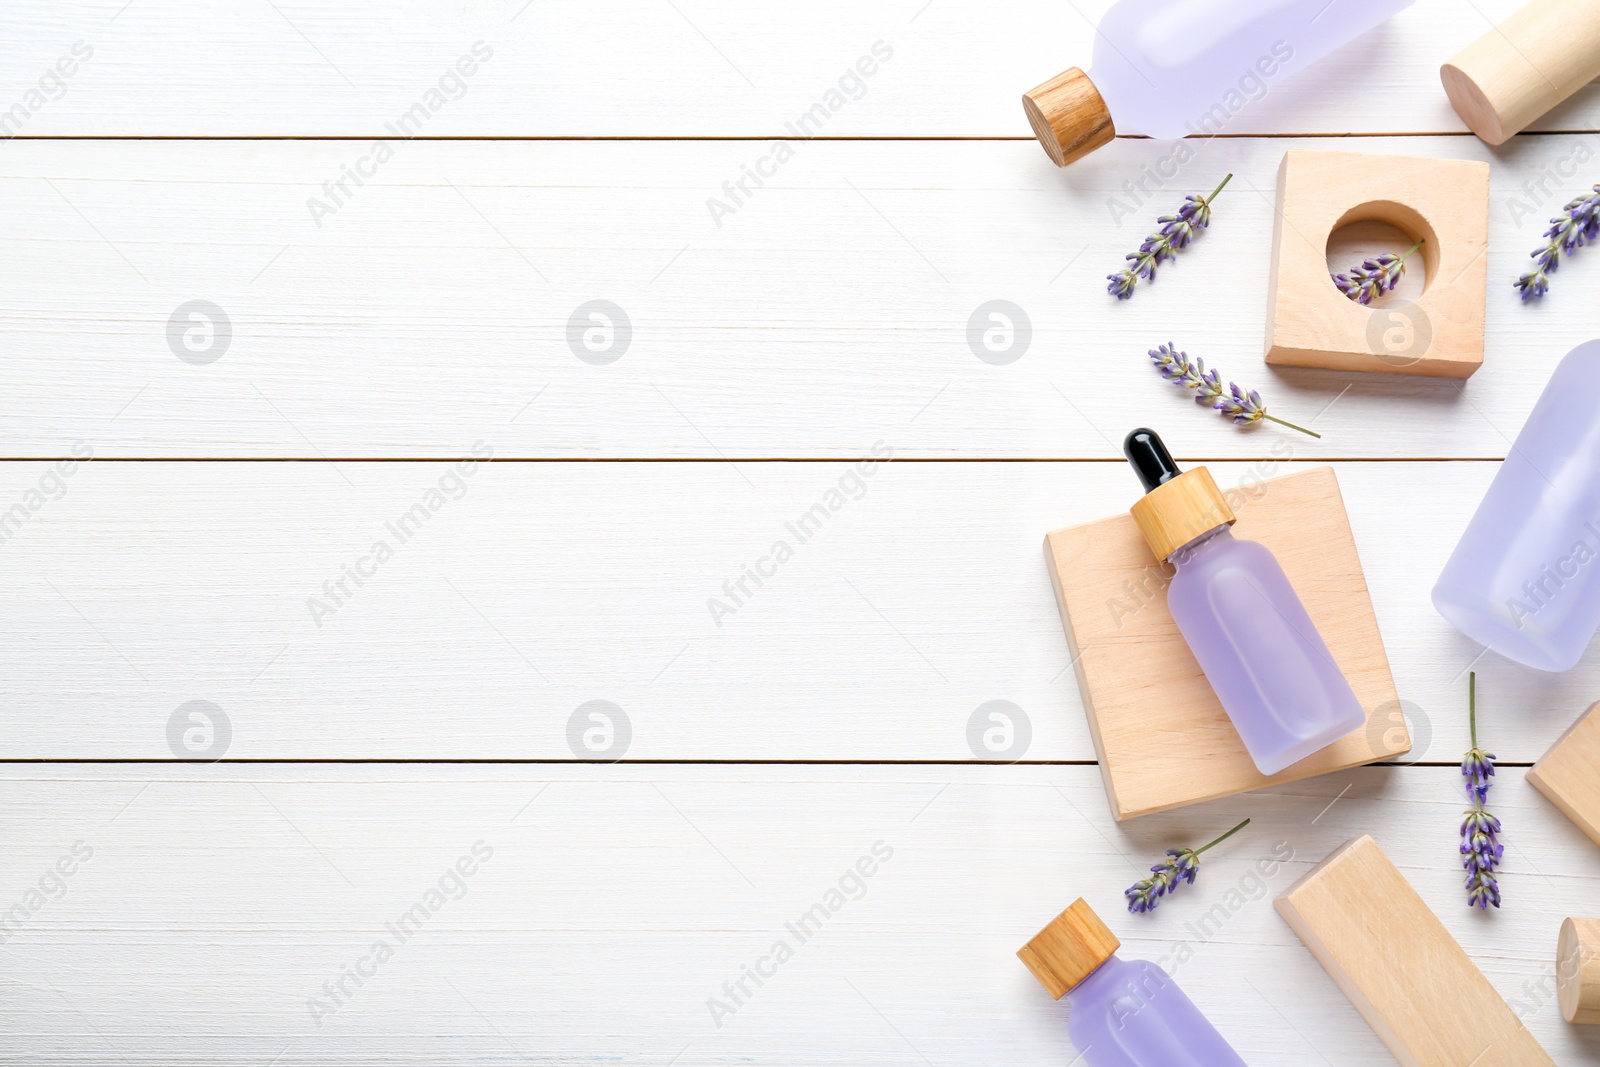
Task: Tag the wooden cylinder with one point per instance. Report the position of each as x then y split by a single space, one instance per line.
1525 66
1578 970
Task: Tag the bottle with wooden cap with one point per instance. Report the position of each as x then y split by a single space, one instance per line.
1125 1013
1243 621
1168 68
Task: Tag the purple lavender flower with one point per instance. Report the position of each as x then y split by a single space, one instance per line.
1174 235
1243 407
1576 226
1480 844
1377 276
1481 849
1176 367
1181 867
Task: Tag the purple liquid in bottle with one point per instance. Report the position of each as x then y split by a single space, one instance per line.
1248 630
1523 579
1130 1013
1125 1013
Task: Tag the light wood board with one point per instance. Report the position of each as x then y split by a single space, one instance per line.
1161 737
830 311
1569 774
217 903
689 68
925 597
1386 950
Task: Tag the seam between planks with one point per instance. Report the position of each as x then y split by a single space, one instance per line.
401 761
742 136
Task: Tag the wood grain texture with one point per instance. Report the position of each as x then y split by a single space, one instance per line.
1068 949
831 310
1443 203
1569 774
219 900
1149 705
1578 971
1176 512
690 68
560 611
1388 952
1527 64
546 586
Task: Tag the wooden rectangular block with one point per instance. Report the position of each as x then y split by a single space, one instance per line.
1385 950
1442 202
1160 733
1569 774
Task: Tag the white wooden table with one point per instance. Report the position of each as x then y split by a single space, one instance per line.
375 734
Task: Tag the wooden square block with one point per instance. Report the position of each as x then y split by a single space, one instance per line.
1161 735
1443 202
1389 953
1569 774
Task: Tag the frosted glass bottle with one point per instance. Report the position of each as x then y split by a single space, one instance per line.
1168 68
1124 1013
1246 626
1525 577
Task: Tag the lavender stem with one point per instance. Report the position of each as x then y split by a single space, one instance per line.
1223 838
1292 426
1472 705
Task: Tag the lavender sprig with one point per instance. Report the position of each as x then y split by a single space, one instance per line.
1480 831
1576 226
1376 276
1242 406
1180 867
1174 235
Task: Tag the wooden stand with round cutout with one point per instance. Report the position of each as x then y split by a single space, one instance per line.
1442 202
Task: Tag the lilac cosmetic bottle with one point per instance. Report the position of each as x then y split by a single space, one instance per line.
1243 621
1125 1013
1169 68
1524 578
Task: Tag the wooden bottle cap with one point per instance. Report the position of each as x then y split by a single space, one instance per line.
1068 116
1179 510
1065 952
1578 970
1520 69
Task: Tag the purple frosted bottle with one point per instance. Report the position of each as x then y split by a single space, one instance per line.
1235 607
1125 1013
1170 68
1523 580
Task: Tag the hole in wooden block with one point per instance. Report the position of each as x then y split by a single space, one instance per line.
1365 237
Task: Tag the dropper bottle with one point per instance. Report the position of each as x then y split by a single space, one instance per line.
1246 626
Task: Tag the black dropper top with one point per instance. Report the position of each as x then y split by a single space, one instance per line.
1150 458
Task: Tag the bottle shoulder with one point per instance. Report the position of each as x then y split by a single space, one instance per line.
1222 557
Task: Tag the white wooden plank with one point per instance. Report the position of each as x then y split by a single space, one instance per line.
830 311
616 902
547 586
686 68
